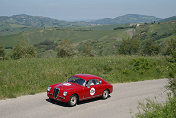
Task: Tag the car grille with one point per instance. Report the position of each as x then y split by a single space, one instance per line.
56 92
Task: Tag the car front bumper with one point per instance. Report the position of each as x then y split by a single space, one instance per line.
58 98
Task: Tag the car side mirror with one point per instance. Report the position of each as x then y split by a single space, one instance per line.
87 86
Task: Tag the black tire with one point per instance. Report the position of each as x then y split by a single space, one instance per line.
105 94
73 100
51 100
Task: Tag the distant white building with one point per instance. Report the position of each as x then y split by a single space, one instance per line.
138 25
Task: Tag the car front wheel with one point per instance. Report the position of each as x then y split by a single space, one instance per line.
51 100
105 94
73 100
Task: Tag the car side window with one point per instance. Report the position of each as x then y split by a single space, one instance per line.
99 81
90 83
93 82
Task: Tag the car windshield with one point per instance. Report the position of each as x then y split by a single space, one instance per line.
76 80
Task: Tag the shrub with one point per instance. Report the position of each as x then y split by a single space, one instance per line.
142 64
170 47
2 53
23 50
129 46
172 67
150 48
156 110
65 49
88 51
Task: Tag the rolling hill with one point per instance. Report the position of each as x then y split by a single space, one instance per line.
56 34
21 23
168 19
32 21
129 18
104 39
158 31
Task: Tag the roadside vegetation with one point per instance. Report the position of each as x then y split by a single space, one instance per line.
153 109
30 76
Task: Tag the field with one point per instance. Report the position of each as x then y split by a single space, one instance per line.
54 34
157 31
30 76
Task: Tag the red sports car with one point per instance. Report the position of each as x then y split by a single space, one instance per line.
79 87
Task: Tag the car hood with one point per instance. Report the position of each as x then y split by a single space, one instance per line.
67 86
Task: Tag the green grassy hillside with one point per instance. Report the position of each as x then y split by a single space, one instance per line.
29 76
103 39
7 29
55 34
20 23
156 31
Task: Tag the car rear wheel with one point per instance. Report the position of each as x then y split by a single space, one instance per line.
105 94
73 100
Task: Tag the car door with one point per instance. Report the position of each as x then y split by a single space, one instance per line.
91 89
88 90
97 85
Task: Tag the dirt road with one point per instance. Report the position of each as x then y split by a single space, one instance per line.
122 102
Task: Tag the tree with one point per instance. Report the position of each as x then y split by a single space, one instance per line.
172 71
149 48
170 47
2 53
23 50
65 49
88 50
129 46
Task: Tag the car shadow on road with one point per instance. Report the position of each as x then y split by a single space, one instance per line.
79 103
91 100
57 103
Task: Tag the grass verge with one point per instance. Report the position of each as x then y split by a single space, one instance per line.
158 110
30 76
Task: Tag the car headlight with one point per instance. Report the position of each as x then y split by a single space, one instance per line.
64 93
49 88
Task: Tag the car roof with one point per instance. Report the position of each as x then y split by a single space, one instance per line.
87 76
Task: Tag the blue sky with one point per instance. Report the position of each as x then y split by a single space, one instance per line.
87 9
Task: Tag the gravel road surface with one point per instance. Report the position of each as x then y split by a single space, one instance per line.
121 104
